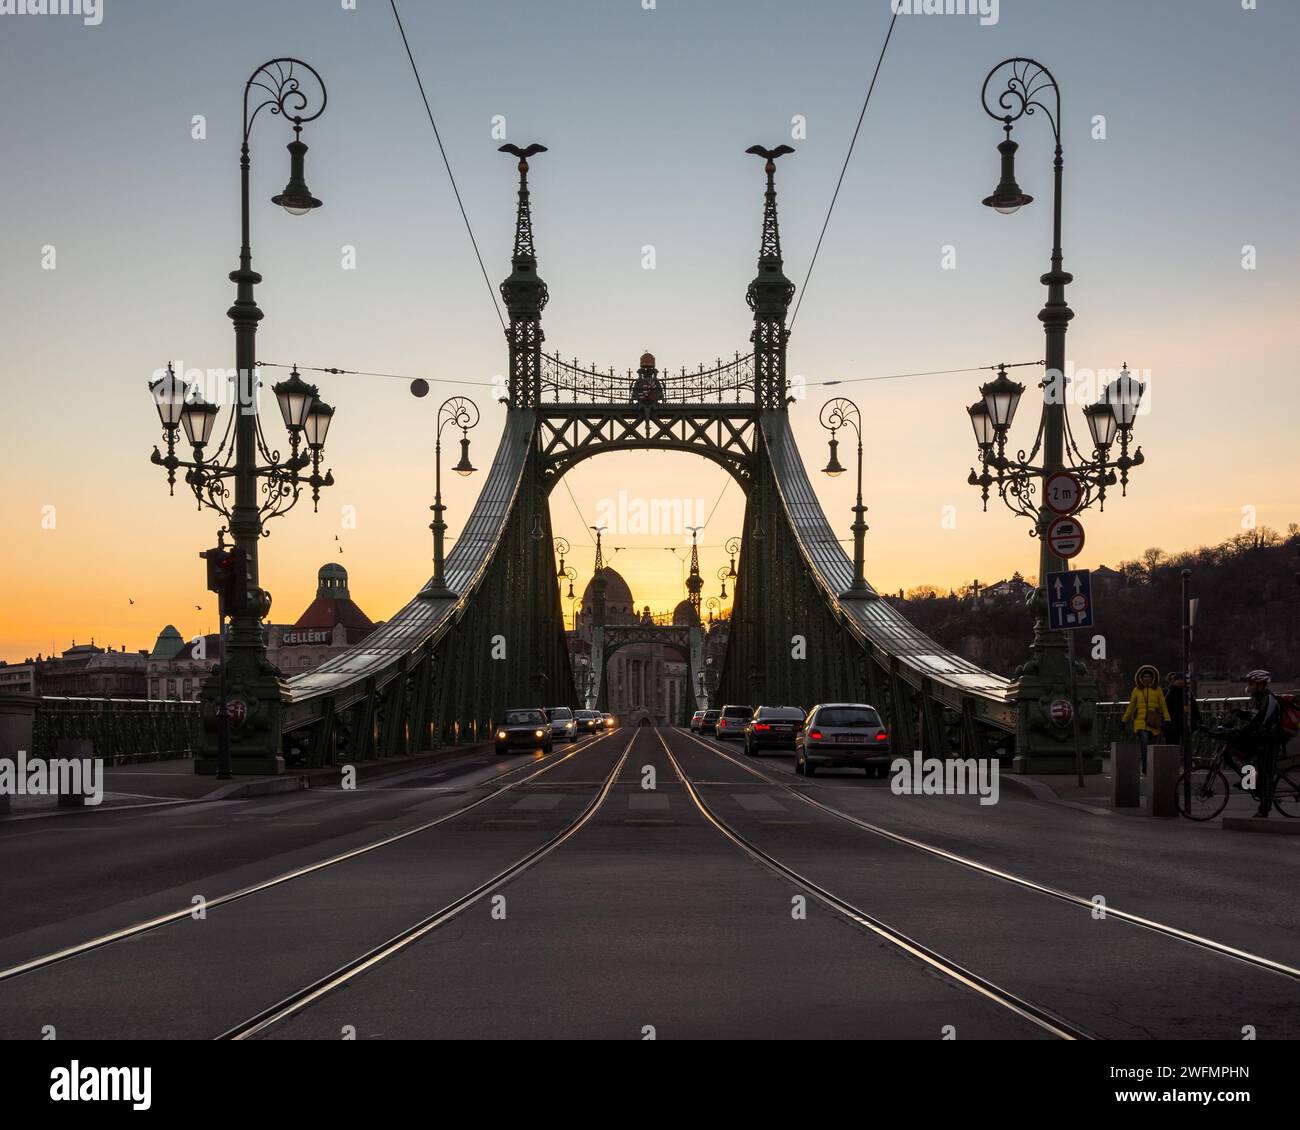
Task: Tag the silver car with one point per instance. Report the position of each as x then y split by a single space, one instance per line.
564 726
842 734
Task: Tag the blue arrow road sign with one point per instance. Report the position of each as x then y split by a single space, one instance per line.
1069 600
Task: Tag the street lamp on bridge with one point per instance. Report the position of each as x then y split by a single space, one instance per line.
835 414
1064 480
463 413
733 551
252 690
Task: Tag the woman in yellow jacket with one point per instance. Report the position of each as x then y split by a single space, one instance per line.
1147 710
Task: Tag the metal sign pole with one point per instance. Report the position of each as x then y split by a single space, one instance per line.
1189 689
1074 708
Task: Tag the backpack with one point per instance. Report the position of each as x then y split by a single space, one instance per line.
1288 714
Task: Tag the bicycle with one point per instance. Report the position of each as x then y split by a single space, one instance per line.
1210 787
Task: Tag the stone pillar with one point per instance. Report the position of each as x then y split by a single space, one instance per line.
17 718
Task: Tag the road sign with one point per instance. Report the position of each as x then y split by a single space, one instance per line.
1065 537
1062 492
1069 600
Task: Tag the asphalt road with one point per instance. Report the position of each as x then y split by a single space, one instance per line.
647 883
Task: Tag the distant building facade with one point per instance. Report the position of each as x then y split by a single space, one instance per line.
643 680
332 623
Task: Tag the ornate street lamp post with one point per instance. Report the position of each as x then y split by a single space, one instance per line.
733 551
253 697
723 574
1029 482
836 414
463 413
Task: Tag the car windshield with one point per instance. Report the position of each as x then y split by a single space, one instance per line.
847 716
524 717
737 712
711 713
782 713
563 713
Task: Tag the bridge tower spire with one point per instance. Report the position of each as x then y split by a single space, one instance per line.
525 295
769 295
599 582
694 582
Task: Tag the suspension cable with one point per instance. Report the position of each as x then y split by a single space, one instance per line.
438 137
803 289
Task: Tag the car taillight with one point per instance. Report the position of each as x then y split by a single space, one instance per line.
816 735
761 726
882 736
722 722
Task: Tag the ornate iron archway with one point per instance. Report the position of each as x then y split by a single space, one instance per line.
444 669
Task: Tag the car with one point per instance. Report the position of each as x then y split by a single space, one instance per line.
842 734
709 723
526 728
564 725
588 721
773 727
731 722
608 721
695 721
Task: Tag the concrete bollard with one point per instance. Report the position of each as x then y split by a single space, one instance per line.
1164 764
1125 774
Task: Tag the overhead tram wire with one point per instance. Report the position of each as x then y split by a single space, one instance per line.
361 373
835 196
438 137
930 373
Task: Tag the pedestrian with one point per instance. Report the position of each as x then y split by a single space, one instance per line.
1175 696
1147 710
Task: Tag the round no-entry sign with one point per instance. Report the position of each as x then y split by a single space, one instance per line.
1065 537
1062 492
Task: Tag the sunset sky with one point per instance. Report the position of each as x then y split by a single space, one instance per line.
646 114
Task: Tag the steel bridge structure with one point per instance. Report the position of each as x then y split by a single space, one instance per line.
443 670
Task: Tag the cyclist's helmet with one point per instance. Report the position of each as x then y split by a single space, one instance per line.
1259 676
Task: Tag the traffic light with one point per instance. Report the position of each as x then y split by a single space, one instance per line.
228 577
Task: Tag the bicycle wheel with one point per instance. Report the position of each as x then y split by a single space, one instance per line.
1209 793
1286 792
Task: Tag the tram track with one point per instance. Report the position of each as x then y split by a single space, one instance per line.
1220 949
1042 1018
302 998
156 922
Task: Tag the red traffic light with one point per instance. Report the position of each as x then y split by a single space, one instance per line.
228 577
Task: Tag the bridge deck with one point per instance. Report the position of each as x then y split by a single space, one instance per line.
344 677
878 623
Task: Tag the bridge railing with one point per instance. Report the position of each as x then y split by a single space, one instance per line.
1111 727
121 730
730 382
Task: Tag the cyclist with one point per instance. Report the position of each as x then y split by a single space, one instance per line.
1258 736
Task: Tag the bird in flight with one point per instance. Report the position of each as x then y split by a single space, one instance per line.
129 600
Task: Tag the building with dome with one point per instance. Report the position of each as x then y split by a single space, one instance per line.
177 667
332 623
644 681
